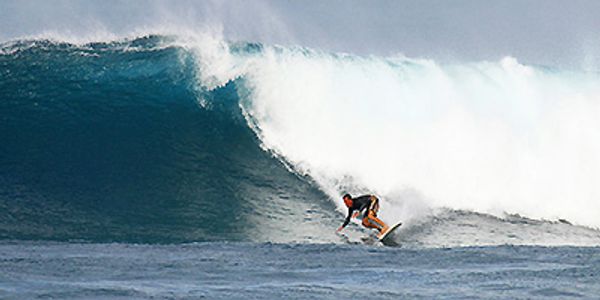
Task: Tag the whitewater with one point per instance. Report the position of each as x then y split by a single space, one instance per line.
491 137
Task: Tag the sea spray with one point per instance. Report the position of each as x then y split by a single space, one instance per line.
491 137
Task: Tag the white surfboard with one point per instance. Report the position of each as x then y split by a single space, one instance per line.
386 237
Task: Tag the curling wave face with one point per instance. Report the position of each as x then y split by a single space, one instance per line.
107 142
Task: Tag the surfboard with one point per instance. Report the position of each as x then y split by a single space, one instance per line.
386 238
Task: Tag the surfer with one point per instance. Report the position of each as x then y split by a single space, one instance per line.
370 205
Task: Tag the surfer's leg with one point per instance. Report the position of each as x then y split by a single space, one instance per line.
367 223
371 221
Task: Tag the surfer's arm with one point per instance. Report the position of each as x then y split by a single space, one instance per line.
350 210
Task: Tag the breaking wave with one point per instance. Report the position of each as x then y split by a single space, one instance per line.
180 138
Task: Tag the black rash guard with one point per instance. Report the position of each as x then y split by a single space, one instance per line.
358 203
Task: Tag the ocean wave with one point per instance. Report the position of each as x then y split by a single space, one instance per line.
114 146
193 138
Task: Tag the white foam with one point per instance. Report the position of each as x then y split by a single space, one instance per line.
490 137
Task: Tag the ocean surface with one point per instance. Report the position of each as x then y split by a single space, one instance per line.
165 166
222 270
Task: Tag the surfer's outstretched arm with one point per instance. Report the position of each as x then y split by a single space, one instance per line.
350 210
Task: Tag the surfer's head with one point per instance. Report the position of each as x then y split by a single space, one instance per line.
347 200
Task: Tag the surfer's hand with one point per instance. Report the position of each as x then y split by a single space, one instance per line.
355 214
340 229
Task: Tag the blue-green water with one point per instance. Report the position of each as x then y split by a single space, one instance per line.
105 144
267 271
126 173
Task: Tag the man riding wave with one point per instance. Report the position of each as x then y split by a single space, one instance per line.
370 205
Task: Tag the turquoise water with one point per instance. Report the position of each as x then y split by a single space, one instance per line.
104 144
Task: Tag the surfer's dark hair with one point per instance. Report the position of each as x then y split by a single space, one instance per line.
347 196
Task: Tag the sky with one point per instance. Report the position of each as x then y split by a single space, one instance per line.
550 32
